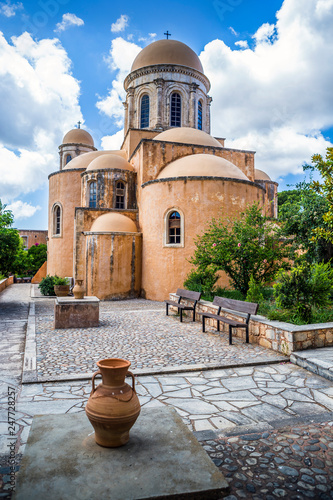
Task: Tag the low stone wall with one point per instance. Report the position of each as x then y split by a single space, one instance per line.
282 337
6 282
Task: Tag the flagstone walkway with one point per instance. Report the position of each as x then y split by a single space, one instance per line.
267 427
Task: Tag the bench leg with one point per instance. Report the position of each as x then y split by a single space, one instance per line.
181 315
193 314
203 324
218 325
230 335
167 309
247 335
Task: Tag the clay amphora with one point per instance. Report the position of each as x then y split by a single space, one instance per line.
113 405
79 289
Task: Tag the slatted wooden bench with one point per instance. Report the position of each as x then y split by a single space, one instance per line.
234 305
184 294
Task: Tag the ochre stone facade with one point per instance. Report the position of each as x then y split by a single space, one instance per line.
125 221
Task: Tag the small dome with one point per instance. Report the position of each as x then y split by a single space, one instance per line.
167 52
109 161
188 135
78 136
84 159
113 223
202 165
259 175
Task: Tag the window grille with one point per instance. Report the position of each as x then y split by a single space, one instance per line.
93 194
174 228
120 195
144 122
176 110
200 115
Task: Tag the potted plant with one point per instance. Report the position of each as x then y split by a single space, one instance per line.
61 286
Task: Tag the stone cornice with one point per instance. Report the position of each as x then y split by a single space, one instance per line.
166 68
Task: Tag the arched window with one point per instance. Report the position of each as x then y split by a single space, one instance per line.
176 110
144 122
93 194
200 115
174 228
57 220
120 195
68 159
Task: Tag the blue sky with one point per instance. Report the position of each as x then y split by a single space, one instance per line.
62 61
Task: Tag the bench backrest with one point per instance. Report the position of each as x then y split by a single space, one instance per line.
236 305
188 294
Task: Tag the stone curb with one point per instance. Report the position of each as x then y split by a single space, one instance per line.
314 364
261 427
29 373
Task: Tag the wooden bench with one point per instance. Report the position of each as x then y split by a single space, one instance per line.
234 305
184 294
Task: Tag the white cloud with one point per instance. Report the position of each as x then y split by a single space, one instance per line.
234 32
276 98
9 9
242 44
67 21
120 24
39 103
148 39
22 210
114 141
120 59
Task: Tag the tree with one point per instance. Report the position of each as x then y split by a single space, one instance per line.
9 240
37 255
301 211
248 246
324 188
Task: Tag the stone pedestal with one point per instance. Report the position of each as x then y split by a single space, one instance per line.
76 313
162 460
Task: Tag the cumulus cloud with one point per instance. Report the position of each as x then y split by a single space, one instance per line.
243 44
67 21
22 210
120 59
39 101
276 97
120 24
113 141
9 9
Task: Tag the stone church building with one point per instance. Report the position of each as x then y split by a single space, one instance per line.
125 221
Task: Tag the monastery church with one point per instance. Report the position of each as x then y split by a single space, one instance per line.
125 221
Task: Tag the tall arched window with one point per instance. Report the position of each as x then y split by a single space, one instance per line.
68 159
93 194
176 110
174 228
144 122
57 220
200 115
120 195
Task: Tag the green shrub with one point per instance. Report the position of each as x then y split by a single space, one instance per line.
202 280
46 286
60 281
254 293
303 288
228 293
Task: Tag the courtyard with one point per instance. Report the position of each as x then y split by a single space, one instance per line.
265 422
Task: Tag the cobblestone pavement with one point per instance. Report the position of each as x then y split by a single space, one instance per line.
139 331
268 428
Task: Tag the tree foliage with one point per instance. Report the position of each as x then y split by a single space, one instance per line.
324 187
301 211
248 246
9 240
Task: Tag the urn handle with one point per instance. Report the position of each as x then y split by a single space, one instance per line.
93 381
133 380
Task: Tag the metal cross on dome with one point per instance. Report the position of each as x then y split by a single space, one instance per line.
78 124
167 34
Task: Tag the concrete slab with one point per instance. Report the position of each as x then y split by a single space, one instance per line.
162 460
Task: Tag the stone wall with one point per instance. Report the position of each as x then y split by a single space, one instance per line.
6 282
282 337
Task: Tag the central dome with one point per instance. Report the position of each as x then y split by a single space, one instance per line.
167 52
188 135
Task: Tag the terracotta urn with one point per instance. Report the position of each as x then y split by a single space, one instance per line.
61 290
113 406
79 289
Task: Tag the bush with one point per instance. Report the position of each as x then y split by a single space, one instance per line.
228 293
60 281
303 288
202 280
255 292
46 286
